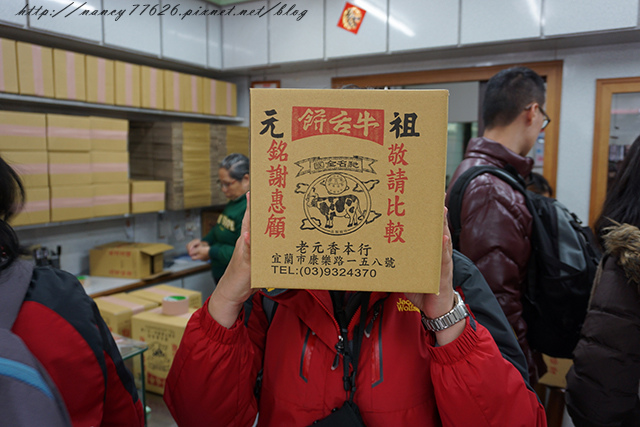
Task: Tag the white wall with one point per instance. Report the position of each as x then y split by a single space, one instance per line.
582 66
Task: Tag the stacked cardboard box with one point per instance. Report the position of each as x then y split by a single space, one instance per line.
117 309
8 66
127 260
100 80
219 98
35 70
70 177
110 166
151 88
69 75
177 153
23 145
127 84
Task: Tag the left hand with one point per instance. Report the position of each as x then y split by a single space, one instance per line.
200 252
435 305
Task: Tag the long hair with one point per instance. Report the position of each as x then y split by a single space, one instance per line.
621 204
11 202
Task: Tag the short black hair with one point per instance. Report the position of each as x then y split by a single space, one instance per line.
538 184
508 93
621 204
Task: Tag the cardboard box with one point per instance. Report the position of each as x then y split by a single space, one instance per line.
31 166
69 75
108 134
100 78
356 175
127 78
172 91
111 199
117 310
68 133
152 88
557 370
70 203
191 90
23 131
127 260
147 196
163 335
36 209
158 292
35 70
219 98
110 167
8 66
69 169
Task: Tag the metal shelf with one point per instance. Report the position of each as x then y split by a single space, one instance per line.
80 221
9 101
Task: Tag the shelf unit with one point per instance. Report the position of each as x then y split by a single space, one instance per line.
28 103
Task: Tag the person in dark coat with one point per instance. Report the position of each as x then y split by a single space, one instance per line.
496 224
603 385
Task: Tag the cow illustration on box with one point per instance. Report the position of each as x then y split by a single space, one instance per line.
337 203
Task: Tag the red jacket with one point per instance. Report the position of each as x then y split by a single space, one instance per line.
402 378
496 231
62 327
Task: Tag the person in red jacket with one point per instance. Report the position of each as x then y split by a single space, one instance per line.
495 221
382 355
62 327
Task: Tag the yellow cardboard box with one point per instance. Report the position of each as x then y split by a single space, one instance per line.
68 133
163 335
127 78
36 209
8 66
172 91
158 292
109 134
73 202
100 80
152 88
69 169
69 75
117 310
111 199
127 260
557 369
35 70
110 166
191 90
147 196
31 166
23 131
219 98
354 177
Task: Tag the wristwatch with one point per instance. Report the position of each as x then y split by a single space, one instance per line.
457 313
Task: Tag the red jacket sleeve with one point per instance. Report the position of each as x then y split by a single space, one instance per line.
228 359
471 380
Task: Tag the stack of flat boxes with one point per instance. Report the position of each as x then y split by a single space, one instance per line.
179 154
70 176
110 166
23 145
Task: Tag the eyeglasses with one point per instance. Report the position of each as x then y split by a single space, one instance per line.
547 119
224 184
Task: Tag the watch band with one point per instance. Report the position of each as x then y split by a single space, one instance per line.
457 313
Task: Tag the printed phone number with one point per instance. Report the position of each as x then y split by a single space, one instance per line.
324 272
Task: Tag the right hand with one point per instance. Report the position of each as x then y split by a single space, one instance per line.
192 246
234 288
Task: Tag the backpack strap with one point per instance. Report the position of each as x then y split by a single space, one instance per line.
14 283
459 187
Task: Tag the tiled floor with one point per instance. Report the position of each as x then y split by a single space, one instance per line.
159 415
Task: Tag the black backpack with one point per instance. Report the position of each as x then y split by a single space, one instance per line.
563 264
28 396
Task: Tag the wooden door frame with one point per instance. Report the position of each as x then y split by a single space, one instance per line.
551 70
605 89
